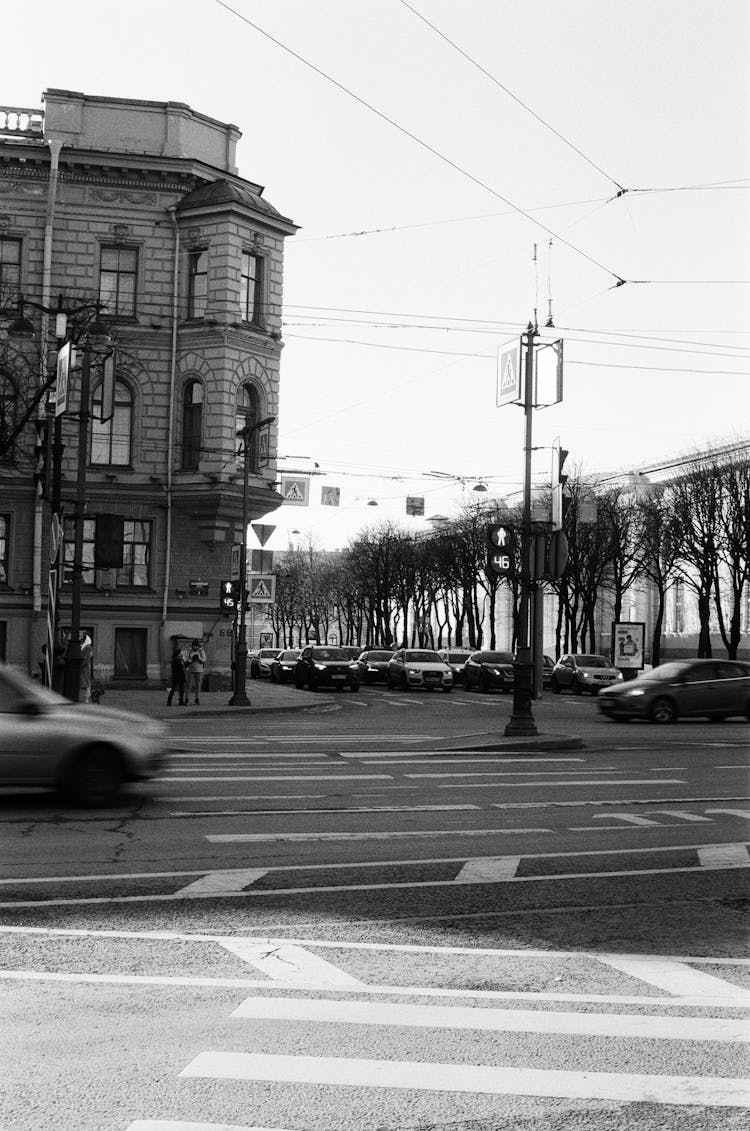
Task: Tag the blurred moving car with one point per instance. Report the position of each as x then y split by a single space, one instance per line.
373 665
682 689
86 752
489 671
412 667
325 666
579 672
281 668
260 665
456 659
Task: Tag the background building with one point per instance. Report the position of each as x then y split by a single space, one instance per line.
139 206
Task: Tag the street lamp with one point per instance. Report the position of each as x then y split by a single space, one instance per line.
239 696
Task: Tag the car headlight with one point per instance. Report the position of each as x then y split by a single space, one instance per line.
635 691
621 676
584 675
413 671
320 667
353 667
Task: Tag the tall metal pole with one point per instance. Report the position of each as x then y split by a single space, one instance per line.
240 696
521 721
73 656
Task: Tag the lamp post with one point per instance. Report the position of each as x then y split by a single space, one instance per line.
239 696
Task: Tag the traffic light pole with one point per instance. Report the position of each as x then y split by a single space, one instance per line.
240 696
521 722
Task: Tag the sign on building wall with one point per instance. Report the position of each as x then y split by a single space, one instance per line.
627 642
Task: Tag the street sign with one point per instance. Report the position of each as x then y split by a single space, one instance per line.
235 562
508 375
295 491
262 589
63 372
500 549
262 532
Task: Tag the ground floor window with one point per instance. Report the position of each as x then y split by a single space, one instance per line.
130 653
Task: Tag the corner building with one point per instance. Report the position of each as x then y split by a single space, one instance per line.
136 205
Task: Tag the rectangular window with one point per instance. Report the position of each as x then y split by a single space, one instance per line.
10 270
250 288
4 548
118 274
136 553
197 284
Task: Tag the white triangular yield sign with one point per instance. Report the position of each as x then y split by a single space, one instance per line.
262 532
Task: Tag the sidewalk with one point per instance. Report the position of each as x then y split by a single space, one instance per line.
267 697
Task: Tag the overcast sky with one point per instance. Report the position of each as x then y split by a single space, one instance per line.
414 261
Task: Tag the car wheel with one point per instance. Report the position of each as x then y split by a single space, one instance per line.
447 689
312 682
555 686
718 718
298 683
95 777
253 672
662 711
483 684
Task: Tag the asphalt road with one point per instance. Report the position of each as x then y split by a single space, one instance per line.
319 919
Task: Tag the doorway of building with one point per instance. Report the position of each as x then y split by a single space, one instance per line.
130 653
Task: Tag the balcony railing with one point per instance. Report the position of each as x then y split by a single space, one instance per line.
18 121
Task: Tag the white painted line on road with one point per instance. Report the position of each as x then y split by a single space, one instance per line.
484 1019
290 964
599 802
330 811
255 739
629 818
724 856
489 869
554 781
710 1091
685 815
732 812
209 776
397 834
229 880
618 828
245 984
677 978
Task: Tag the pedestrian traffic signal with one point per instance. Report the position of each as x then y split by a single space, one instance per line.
229 596
560 497
500 549
41 444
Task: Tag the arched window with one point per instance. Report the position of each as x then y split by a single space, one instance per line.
192 426
8 413
248 415
111 439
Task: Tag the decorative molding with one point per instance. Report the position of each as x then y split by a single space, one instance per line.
122 196
121 231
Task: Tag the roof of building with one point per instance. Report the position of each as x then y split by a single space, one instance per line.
227 192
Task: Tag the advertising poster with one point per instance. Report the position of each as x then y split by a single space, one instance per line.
628 642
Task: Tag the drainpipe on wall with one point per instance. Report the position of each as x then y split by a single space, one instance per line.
36 569
170 435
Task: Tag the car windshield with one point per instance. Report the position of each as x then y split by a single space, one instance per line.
457 657
496 658
289 655
422 658
592 662
329 654
267 653
368 656
666 671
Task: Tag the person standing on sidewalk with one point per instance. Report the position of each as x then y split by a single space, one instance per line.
196 664
178 676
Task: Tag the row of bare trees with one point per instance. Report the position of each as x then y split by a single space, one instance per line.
391 587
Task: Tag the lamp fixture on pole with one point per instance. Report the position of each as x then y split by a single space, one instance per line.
239 696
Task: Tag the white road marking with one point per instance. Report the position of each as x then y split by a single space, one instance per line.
488 870
618 828
330 811
181 1125
724 856
557 782
697 1002
485 1019
629 818
732 812
435 1077
259 838
290 964
676 978
229 880
180 777
685 815
378 757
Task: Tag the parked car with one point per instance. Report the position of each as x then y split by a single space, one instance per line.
322 665
353 651
682 689
548 666
579 672
86 752
281 668
489 671
456 659
373 665
412 667
260 664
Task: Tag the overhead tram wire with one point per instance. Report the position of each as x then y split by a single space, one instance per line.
487 74
619 281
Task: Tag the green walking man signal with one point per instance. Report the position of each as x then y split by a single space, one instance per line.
229 596
501 542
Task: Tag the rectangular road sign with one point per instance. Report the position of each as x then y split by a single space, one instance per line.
63 373
508 374
261 589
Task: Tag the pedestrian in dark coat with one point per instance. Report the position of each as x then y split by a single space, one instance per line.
178 676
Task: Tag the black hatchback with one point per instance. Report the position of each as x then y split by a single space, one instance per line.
322 666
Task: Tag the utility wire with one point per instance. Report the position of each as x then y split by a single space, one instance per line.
619 281
521 103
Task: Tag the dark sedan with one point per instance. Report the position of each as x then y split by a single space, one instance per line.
716 689
489 671
373 665
325 666
282 668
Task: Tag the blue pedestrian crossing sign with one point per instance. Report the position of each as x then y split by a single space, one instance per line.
508 374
